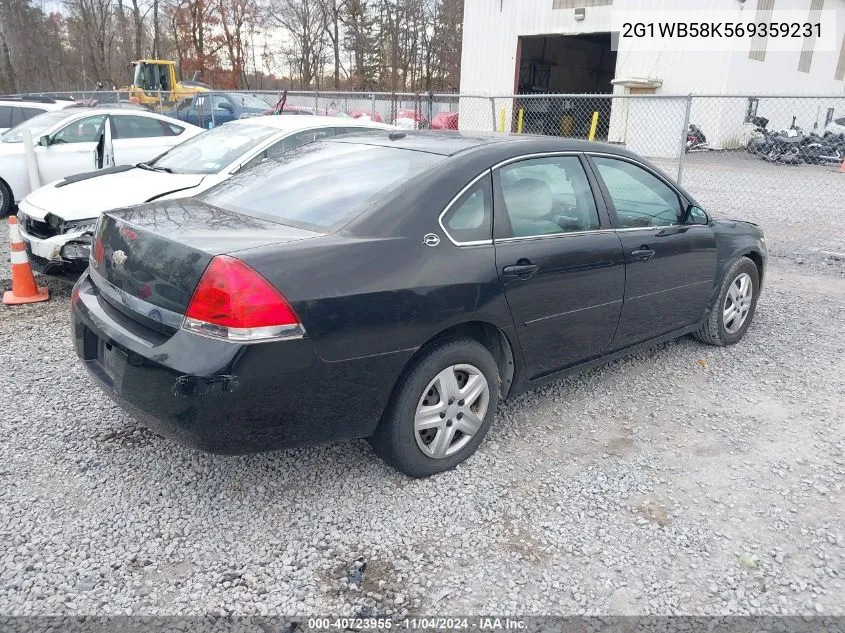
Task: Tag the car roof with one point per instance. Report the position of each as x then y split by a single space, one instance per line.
449 143
305 121
44 105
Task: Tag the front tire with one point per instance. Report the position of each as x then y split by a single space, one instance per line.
6 201
729 317
440 410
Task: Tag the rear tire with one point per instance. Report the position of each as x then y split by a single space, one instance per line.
432 422
729 316
6 201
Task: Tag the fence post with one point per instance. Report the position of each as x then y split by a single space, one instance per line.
372 103
430 107
684 139
493 111
316 101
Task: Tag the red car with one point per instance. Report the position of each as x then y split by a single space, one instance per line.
445 121
373 116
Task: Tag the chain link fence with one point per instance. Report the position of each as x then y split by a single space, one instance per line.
744 156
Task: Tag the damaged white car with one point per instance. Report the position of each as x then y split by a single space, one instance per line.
57 220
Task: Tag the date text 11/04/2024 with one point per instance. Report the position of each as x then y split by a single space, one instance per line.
481 623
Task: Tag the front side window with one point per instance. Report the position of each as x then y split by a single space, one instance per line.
641 199
139 127
288 143
219 102
470 217
249 101
85 130
547 196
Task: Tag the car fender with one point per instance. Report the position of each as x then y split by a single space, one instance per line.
735 238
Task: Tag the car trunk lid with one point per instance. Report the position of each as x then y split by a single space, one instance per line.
147 260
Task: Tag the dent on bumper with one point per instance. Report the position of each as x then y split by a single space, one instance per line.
50 248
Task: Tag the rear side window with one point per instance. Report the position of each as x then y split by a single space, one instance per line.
139 127
548 196
319 185
470 217
27 113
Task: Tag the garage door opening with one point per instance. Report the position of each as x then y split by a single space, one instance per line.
567 64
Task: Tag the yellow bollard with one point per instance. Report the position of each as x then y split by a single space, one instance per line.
519 121
501 120
593 125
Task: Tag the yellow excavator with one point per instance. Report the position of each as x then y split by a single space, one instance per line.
155 83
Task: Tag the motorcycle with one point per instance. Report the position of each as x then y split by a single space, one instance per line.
818 150
782 147
696 141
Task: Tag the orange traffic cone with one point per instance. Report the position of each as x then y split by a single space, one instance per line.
23 289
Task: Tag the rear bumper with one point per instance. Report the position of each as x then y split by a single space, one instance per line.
227 398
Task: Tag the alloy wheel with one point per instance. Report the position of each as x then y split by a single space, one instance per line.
451 410
737 303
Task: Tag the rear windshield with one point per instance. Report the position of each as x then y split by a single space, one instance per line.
320 185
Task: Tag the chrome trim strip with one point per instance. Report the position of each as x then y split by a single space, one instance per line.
517 159
550 236
451 204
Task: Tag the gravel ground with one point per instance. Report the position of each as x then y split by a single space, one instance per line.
688 479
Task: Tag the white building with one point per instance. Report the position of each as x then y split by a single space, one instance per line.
564 46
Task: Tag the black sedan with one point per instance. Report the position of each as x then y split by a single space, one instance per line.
394 287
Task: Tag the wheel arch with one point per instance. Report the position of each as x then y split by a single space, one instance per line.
757 258
12 204
491 337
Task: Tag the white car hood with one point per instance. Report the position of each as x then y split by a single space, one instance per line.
88 198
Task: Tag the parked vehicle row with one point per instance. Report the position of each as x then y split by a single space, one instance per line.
66 141
58 219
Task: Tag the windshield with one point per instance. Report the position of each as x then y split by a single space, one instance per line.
210 152
319 185
37 125
151 76
249 101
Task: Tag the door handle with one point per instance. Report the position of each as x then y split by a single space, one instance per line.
642 254
520 269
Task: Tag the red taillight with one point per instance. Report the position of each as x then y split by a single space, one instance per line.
235 303
99 251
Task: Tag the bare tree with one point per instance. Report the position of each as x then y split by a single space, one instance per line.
332 17
303 22
92 22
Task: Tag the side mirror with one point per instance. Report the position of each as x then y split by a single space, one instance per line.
44 141
695 215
